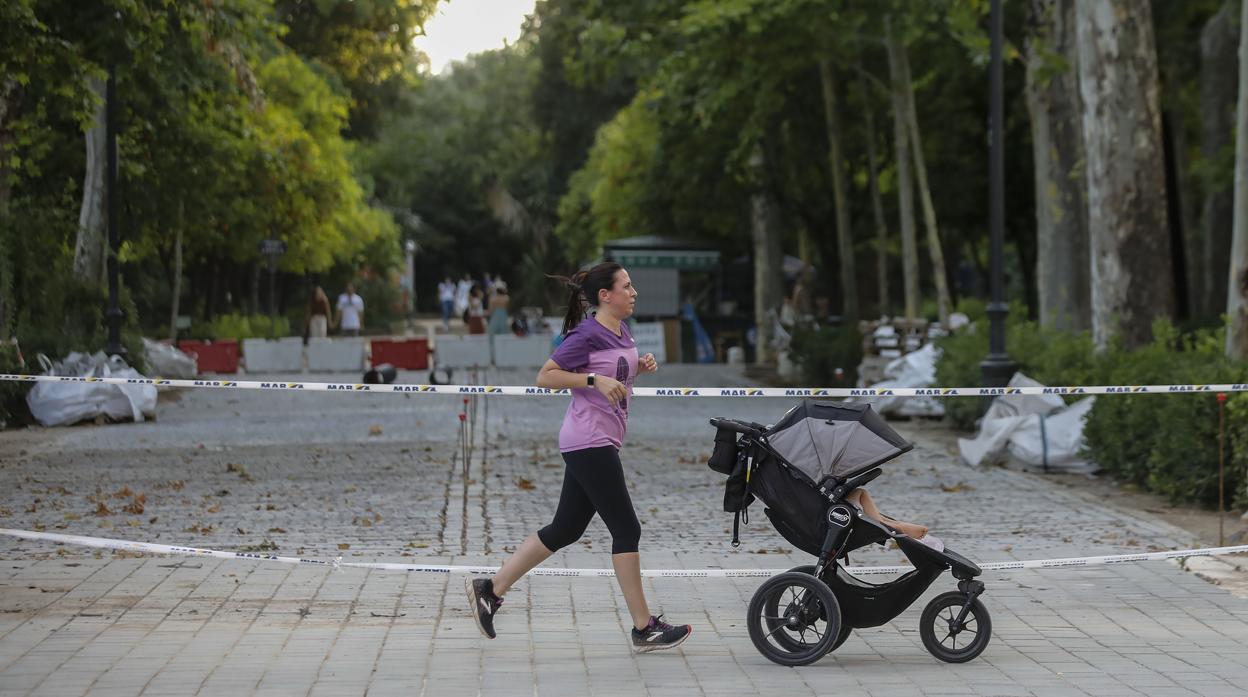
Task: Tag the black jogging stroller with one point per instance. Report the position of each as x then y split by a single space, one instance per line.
802 468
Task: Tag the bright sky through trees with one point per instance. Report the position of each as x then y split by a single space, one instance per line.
463 27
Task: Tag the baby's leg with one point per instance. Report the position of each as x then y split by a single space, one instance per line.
863 499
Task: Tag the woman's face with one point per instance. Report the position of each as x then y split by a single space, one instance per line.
622 297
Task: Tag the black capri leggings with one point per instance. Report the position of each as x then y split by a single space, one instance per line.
593 482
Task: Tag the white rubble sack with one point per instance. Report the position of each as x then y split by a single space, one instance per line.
1031 431
168 362
64 403
915 369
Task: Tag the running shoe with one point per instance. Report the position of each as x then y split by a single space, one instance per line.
659 635
483 602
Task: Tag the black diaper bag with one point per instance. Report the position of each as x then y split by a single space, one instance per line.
733 458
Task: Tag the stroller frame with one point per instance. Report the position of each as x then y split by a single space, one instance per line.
858 603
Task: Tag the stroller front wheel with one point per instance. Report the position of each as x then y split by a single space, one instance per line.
948 639
794 619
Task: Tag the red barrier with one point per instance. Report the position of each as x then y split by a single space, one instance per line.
405 354
213 356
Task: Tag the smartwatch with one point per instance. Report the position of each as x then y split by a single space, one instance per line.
589 380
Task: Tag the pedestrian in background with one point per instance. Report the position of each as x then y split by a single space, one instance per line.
350 312
500 323
317 323
597 362
475 314
463 289
446 296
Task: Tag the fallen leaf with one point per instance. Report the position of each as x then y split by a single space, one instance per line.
374 430
102 510
343 545
136 506
524 483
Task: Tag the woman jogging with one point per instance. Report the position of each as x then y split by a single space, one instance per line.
598 362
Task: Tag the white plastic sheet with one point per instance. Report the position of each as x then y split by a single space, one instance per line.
1031 431
915 369
168 362
64 403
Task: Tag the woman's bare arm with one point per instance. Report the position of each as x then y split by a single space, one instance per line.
551 376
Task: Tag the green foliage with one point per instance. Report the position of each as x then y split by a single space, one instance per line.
1166 443
367 48
224 134
239 327
819 351
467 173
1236 463
612 195
382 303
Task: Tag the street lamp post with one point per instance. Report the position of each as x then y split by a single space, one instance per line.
997 368
114 313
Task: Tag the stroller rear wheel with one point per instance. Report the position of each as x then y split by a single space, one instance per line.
794 619
841 636
946 638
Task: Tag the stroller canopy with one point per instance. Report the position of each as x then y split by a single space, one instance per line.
835 440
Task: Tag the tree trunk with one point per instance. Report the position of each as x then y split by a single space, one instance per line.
768 261
254 309
1217 122
844 235
89 257
877 207
177 274
10 97
1237 293
1132 281
1057 145
934 249
1178 198
905 185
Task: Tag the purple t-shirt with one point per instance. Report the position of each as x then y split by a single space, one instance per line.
591 421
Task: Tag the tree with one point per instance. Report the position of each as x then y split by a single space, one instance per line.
1062 265
844 233
883 304
90 248
1237 285
905 182
934 249
768 258
1218 71
367 48
1132 280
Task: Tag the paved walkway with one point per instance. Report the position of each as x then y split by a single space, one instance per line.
375 478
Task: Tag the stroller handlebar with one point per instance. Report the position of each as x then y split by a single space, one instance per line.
748 428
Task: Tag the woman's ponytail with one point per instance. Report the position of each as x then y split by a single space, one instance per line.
576 301
583 287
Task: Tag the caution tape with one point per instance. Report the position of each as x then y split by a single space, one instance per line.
153 548
670 392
